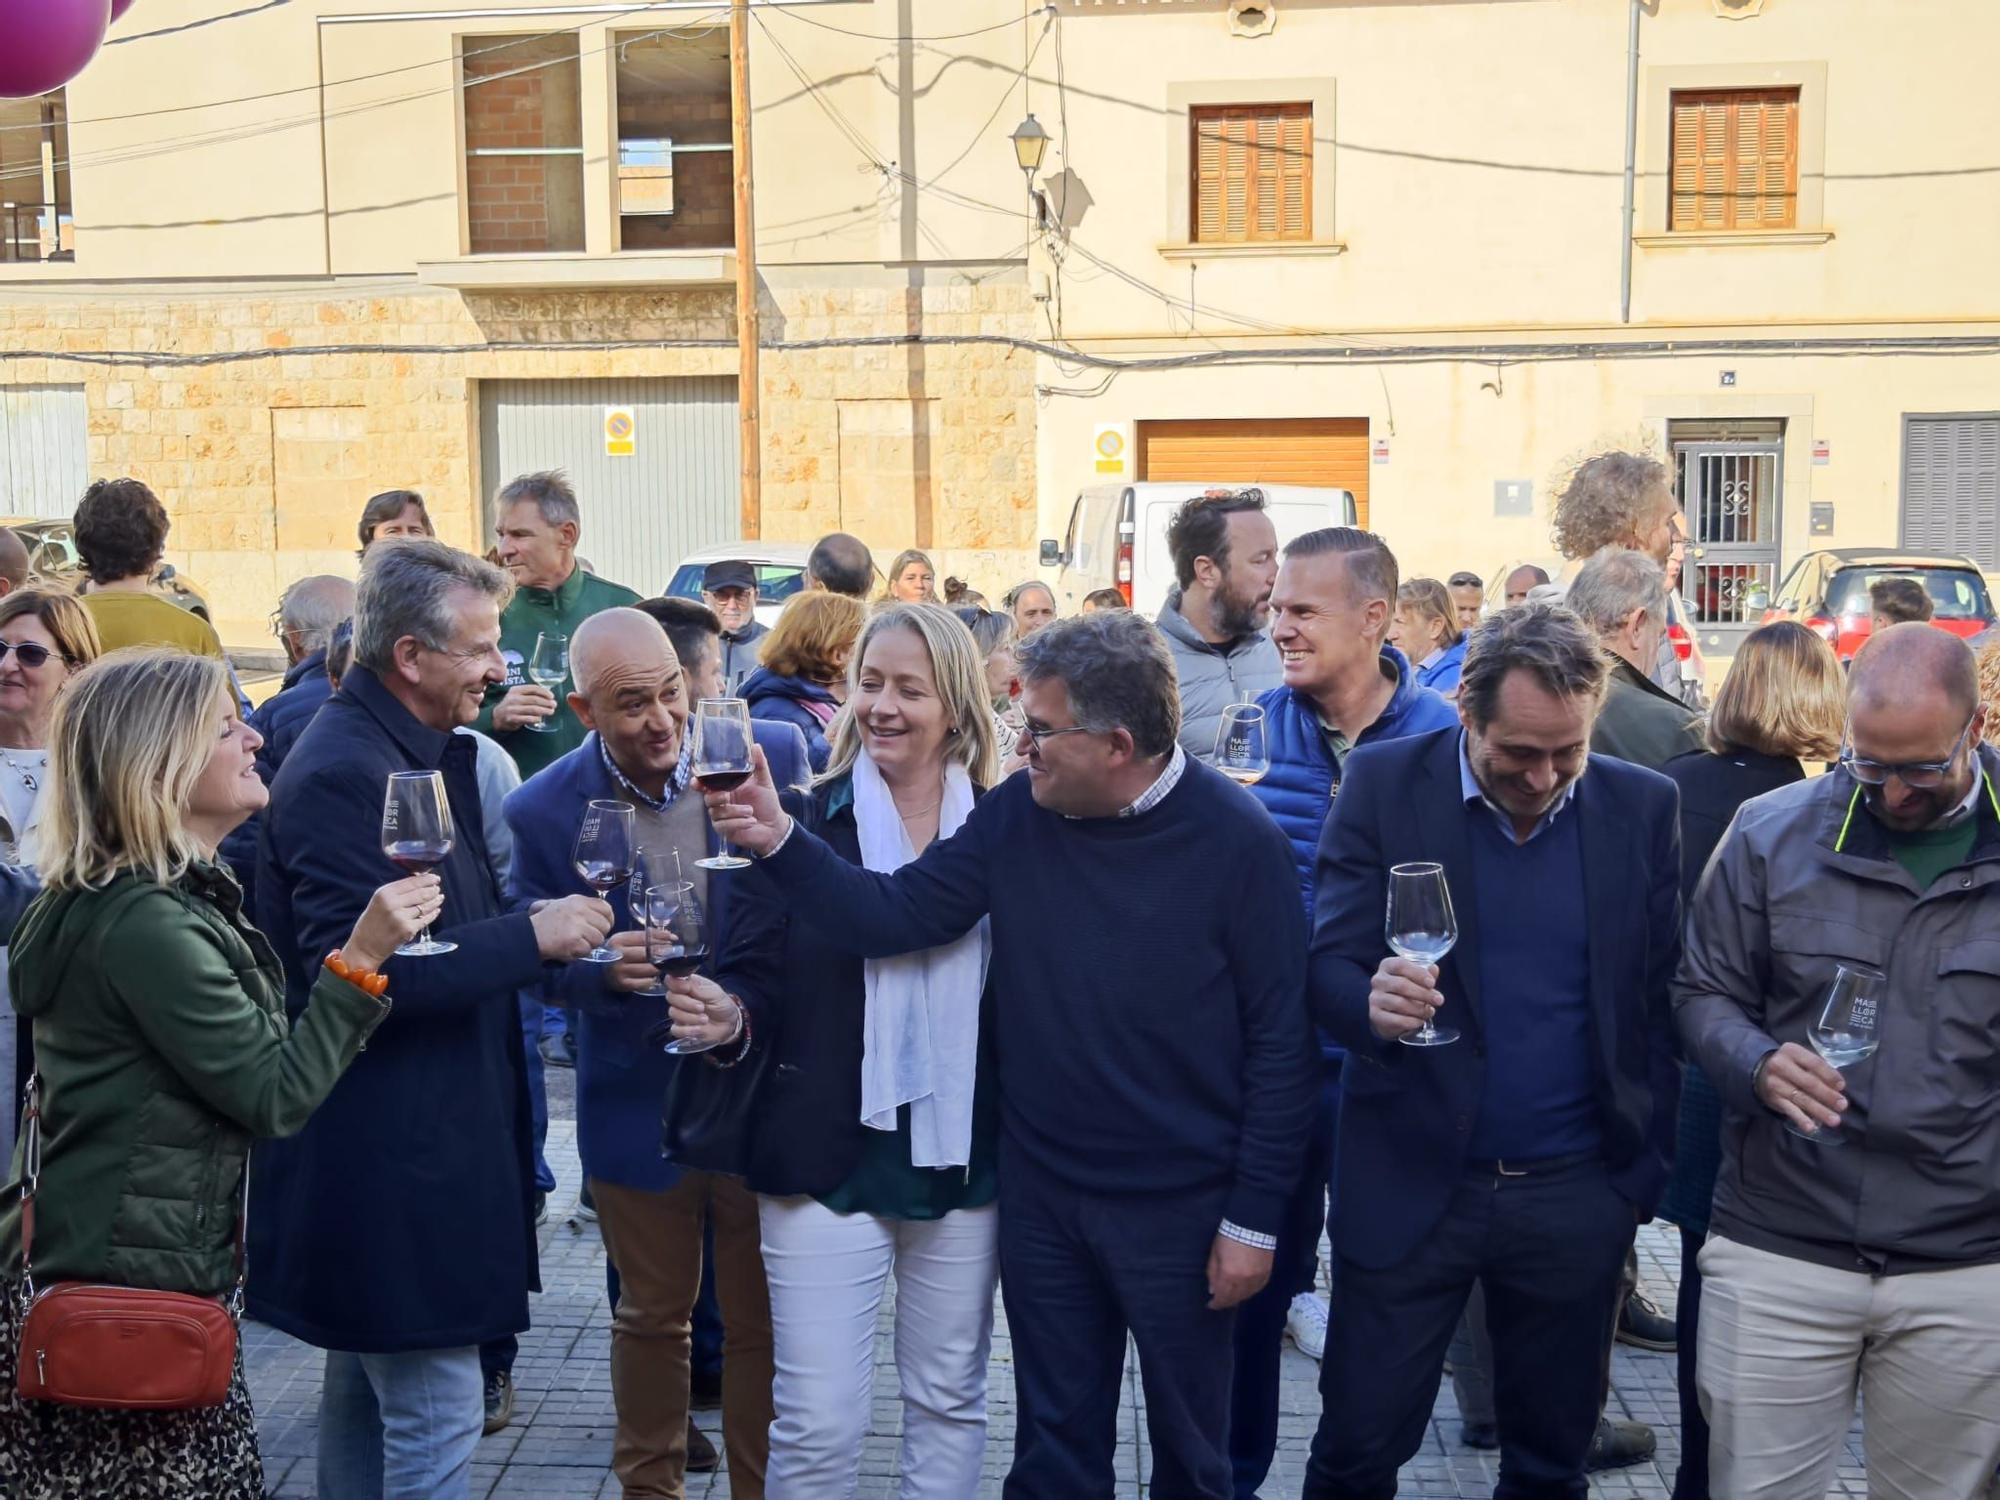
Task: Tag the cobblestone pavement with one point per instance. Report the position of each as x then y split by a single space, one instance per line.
559 1444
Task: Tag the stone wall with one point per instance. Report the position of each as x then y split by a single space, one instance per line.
264 463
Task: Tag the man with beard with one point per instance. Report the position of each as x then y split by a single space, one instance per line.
1225 553
1524 1148
1868 1259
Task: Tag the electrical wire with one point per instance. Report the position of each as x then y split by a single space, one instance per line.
956 36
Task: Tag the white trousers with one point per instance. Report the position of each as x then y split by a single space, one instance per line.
827 1273
1784 1346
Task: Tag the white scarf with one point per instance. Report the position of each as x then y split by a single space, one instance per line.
921 1030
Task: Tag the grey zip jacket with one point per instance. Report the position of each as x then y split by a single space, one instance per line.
1213 677
1805 880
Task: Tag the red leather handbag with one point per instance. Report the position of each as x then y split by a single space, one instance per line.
89 1344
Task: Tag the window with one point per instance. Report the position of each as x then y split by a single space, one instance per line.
523 144
1951 484
34 180
1251 173
676 186
1735 159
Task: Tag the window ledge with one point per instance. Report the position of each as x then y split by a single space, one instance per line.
1672 239
1255 250
483 273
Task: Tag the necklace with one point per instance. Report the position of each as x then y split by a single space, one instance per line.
920 812
26 773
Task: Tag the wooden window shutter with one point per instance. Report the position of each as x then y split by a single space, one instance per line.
1252 171
1735 159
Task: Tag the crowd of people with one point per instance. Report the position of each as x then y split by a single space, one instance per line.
1115 964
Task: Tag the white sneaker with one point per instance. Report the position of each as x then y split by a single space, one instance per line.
1305 1323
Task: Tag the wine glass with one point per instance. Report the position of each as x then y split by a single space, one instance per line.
1845 1033
1240 746
677 943
417 835
1420 926
722 762
548 664
603 857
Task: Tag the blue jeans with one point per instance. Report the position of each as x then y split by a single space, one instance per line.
399 1426
538 1089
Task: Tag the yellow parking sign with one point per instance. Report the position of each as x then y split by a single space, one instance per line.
620 432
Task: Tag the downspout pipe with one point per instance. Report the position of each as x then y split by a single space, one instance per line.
1631 154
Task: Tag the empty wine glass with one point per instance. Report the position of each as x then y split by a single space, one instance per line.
1845 1032
677 943
548 664
417 835
722 763
603 857
1240 745
1421 927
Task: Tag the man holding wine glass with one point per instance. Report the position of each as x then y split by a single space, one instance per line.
396 1230
617 815
1840 988
1496 923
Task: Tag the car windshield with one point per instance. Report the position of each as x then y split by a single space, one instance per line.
776 582
1956 593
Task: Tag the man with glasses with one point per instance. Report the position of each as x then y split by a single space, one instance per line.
1865 1255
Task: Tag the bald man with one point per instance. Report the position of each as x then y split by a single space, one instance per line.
631 698
1522 579
1868 1254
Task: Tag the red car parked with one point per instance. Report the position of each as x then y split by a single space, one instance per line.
1827 592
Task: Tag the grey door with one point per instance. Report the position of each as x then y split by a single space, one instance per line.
1730 494
643 512
1951 485
44 449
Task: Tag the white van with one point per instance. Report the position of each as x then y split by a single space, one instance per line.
1117 535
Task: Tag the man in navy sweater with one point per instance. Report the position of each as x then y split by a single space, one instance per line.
1156 1072
1525 1154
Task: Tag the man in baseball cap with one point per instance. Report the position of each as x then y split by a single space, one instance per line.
730 589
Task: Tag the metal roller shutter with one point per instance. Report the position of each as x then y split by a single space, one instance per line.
44 449
1951 485
1277 450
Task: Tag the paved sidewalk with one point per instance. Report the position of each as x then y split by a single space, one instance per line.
559 1444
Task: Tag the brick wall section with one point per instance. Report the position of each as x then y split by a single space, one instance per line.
521 203
704 216
208 439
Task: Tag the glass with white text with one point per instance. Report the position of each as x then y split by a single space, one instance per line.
1845 1033
677 944
417 835
722 761
1241 750
605 849
1421 927
548 665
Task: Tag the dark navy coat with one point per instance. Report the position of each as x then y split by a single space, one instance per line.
784 700
400 1218
281 720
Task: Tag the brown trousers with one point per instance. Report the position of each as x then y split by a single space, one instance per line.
655 1239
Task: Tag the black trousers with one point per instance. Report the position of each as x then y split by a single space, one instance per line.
1691 1482
1077 1273
1549 1248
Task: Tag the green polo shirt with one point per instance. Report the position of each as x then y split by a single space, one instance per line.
532 612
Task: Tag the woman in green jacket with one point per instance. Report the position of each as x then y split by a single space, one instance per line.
162 1048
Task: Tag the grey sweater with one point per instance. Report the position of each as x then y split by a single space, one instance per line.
1213 677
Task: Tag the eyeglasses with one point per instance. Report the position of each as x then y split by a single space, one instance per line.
31 654
1917 775
1033 731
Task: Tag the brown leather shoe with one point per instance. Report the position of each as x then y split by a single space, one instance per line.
702 1457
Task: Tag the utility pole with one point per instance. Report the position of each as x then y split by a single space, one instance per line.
748 391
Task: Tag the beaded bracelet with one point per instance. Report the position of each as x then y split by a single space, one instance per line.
369 981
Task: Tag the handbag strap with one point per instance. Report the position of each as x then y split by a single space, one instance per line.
31 1177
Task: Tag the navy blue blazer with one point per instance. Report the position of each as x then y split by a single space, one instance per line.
620 1076
1406 1113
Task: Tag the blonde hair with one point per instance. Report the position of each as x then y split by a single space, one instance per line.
131 736
812 631
65 619
903 560
1989 689
1783 696
1428 599
958 667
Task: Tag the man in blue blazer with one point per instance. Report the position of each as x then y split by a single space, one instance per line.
1525 1154
634 698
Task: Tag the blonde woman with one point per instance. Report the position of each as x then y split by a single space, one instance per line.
1426 631
163 1050
912 579
874 1149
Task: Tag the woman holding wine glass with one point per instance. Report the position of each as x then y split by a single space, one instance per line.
873 1150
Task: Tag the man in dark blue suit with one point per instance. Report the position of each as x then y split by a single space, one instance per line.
1525 1154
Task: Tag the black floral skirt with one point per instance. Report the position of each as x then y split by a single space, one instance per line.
54 1452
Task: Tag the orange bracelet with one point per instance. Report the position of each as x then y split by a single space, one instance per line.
369 981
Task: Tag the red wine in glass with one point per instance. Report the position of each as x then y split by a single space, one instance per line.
683 960
677 942
418 856
603 875
605 850
722 749
721 781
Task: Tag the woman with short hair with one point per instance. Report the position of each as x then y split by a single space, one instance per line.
1426 631
912 579
163 1049
993 633
391 514
803 678
1783 702
873 1147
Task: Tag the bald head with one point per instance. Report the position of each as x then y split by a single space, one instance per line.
311 610
1523 578
1912 707
842 564
13 560
1912 660
617 643
630 690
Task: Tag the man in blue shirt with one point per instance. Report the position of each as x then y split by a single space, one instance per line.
1343 687
1524 1154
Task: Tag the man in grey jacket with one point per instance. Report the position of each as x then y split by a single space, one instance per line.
1225 553
1868 1253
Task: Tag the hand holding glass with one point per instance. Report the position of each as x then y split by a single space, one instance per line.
1421 927
603 857
677 942
1845 1033
417 835
548 665
722 763
1241 751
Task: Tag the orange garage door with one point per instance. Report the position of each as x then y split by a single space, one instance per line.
1280 450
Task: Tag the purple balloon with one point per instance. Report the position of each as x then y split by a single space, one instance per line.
46 43
119 7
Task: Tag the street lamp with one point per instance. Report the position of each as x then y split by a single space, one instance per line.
1030 141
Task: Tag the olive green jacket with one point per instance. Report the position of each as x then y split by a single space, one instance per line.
163 1049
